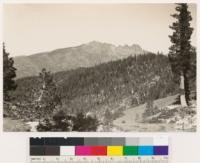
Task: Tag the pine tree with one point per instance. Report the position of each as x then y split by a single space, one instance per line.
180 50
9 74
49 96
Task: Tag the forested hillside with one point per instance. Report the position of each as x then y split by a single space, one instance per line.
113 85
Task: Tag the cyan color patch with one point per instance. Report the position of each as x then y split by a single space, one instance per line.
145 150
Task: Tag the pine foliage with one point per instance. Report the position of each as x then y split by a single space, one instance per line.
180 50
9 74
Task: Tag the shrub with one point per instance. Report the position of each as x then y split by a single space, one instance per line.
60 121
85 123
150 109
45 125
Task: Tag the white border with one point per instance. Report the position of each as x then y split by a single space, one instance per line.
177 140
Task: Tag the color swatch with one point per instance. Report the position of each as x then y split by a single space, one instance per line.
114 150
107 146
130 150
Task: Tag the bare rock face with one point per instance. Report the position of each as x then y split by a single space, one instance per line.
85 55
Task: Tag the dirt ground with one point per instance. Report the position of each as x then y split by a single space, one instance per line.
130 120
11 125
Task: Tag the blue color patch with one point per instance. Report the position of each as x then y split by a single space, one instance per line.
145 150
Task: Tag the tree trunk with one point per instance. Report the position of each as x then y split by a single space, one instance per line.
182 90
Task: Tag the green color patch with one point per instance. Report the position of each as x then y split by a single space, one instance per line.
130 150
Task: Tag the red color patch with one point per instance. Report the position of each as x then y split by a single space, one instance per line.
99 150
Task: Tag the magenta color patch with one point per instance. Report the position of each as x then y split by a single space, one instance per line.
83 151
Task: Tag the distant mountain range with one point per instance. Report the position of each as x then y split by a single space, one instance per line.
85 55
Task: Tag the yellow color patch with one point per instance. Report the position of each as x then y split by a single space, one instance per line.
114 150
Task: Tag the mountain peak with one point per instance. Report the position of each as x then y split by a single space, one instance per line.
85 55
94 42
98 43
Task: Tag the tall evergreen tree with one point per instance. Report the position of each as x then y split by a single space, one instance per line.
9 74
49 96
180 50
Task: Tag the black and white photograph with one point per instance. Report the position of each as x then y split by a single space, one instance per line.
99 67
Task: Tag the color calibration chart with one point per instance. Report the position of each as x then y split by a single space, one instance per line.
99 150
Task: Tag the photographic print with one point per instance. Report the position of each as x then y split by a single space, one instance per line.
99 67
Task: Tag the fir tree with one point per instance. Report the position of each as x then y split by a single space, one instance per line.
180 50
9 74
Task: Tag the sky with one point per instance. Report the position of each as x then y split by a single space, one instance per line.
34 28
